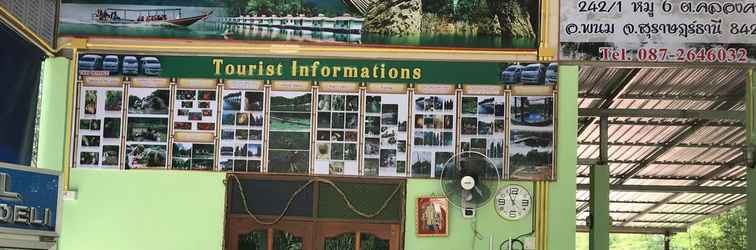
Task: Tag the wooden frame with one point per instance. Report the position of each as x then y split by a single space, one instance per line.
314 230
438 208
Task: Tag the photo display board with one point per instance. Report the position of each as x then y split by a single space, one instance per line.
337 129
150 117
290 127
242 126
483 122
147 123
194 119
531 138
386 145
100 122
433 140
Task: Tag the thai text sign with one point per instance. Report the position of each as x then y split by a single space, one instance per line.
659 31
28 200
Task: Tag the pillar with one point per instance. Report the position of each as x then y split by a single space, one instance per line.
560 228
600 222
751 173
54 114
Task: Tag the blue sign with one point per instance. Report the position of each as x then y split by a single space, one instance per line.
29 199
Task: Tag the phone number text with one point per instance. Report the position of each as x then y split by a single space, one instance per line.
723 55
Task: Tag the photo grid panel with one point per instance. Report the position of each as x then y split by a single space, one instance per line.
483 124
433 139
147 128
336 137
99 139
531 138
194 110
289 132
242 130
385 152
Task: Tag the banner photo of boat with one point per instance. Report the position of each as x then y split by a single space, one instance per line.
469 24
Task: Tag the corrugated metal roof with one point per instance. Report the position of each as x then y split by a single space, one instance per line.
709 152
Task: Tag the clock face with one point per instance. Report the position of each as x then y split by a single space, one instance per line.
513 202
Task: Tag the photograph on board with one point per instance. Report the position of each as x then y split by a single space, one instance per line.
503 24
529 74
117 65
145 156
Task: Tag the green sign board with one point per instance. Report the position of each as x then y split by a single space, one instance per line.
309 69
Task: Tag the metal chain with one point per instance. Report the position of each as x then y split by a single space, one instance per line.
302 188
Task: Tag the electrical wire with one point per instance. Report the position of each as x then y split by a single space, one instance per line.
302 188
522 245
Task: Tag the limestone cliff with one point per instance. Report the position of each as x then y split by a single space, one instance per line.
514 18
394 17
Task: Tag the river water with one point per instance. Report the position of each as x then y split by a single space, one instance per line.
76 19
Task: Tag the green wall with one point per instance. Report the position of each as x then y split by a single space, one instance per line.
561 207
52 120
461 234
144 209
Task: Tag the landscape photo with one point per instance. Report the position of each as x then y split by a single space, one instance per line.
145 156
480 24
149 101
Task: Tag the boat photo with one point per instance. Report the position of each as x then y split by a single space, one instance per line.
169 17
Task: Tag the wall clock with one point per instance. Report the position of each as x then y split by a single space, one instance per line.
513 202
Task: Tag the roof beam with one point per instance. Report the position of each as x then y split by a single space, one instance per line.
588 161
668 97
637 230
665 178
668 203
723 106
685 145
665 113
709 176
670 189
675 123
661 213
608 94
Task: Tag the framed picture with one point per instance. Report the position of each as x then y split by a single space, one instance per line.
495 25
432 216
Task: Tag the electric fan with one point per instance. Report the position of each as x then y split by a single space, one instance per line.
469 180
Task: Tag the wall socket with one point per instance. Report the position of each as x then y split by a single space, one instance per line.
529 242
70 195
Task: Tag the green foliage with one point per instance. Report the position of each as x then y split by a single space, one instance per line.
726 231
204 3
291 7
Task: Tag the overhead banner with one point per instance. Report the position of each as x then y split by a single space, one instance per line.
659 31
29 200
468 24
